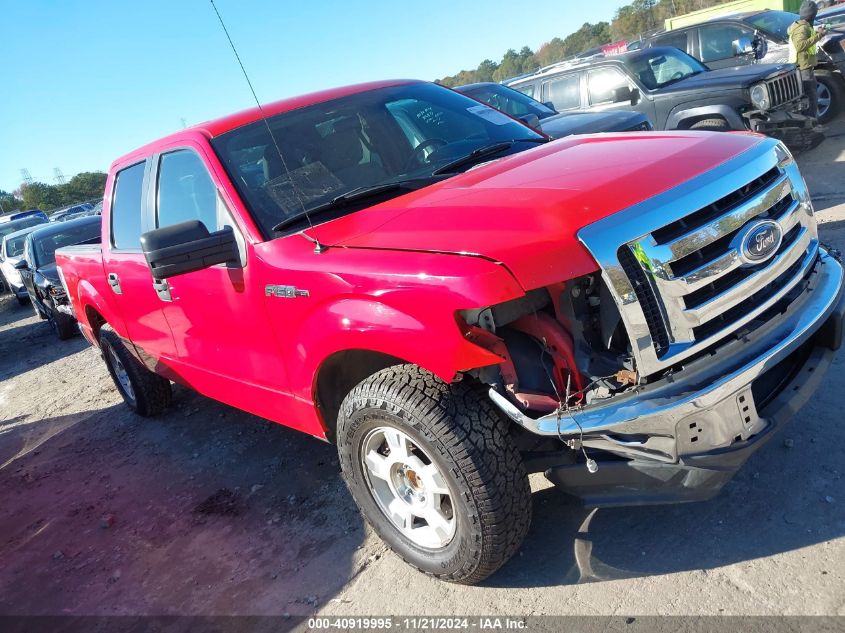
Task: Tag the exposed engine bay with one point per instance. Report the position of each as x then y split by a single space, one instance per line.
562 347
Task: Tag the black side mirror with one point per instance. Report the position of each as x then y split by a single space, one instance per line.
626 93
21 264
550 105
186 247
531 120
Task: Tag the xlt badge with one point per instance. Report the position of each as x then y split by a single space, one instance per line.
284 292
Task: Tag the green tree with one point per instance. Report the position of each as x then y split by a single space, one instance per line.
84 186
511 65
8 202
485 70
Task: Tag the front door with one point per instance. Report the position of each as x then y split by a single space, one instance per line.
217 315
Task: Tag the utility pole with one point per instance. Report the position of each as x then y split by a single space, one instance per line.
58 176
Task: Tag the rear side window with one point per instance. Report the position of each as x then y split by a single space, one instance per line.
675 40
564 92
526 89
126 208
185 190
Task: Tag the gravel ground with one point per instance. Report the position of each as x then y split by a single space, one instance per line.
208 511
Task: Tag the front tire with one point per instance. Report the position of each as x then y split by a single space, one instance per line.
711 125
144 391
63 325
433 469
830 92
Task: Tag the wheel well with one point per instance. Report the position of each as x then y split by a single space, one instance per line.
95 320
340 373
688 123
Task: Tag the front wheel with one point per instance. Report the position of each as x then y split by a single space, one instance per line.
830 93
433 469
711 125
145 392
63 325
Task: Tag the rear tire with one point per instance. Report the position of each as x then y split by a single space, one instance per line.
144 391
711 125
409 441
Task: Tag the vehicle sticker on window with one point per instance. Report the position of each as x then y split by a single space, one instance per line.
494 116
302 186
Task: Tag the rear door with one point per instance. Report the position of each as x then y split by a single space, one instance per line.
130 285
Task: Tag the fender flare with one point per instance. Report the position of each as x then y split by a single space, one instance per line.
88 296
726 112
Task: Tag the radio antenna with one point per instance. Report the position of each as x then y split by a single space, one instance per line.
319 247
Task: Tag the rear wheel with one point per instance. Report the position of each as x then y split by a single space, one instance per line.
433 469
145 392
711 125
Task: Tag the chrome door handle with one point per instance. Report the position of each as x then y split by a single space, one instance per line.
114 282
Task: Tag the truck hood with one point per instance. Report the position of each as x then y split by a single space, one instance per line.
524 211
561 125
725 78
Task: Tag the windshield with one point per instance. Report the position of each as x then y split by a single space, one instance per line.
14 245
324 151
659 67
45 246
774 22
17 225
508 100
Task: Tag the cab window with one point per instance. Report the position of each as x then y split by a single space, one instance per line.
602 84
718 41
185 190
126 208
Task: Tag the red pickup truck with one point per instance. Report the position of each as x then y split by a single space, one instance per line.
457 302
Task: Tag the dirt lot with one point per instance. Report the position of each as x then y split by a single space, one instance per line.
207 510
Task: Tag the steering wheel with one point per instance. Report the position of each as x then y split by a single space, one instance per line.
677 75
416 155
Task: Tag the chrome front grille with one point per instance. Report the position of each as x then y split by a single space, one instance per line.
785 88
675 264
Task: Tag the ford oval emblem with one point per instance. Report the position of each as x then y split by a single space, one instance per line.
760 241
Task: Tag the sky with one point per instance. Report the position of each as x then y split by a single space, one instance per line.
84 82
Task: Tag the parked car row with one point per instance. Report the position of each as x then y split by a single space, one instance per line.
728 73
674 90
27 261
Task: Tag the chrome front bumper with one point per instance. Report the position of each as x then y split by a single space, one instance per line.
708 406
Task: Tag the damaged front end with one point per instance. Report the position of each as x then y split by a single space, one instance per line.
654 380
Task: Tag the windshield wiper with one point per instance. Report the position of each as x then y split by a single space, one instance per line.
342 200
486 150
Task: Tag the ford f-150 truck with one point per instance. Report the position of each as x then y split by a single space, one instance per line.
457 302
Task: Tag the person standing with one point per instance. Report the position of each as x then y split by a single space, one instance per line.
803 51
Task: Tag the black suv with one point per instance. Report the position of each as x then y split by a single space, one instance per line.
675 91
761 36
